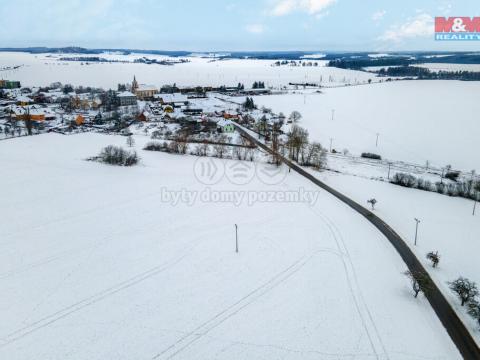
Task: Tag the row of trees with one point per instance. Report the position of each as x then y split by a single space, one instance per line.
298 148
258 85
465 289
249 104
242 150
426 74
357 64
468 189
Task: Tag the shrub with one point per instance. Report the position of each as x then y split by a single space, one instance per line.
371 156
452 175
115 155
405 180
474 310
465 289
452 190
440 187
156 146
434 258
424 185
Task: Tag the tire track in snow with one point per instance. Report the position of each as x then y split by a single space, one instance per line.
375 340
71 309
203 329
357 294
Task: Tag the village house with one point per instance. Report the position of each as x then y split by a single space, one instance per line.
31 112
7 84
225 126
126 98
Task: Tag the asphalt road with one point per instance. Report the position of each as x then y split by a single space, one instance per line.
447 315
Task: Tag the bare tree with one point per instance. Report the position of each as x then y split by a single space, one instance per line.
28 120
295 117
182 143
465 289
313 154
130 141
420 282
372 202
275 142
220 148
474 310
297 140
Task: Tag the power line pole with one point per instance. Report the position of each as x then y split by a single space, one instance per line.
475 203
416 230
389 167
376 143
331 141
236 238
333 114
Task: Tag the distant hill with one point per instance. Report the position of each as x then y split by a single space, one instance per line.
365 58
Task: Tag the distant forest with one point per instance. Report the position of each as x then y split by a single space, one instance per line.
359 63
426 74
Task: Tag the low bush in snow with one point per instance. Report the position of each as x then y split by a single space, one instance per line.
172 147
156 146
115 155
452 175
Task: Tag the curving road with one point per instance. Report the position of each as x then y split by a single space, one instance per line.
447 315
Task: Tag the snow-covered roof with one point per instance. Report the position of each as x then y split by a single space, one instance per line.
224 122
172 98
23 98
32 109
125 94
144 87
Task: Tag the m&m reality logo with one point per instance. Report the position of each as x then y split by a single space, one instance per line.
459 28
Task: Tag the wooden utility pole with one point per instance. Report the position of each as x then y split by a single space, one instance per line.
416 230
236 238
475 203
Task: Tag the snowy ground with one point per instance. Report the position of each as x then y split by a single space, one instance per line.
43 69
447 226
416 120
94 263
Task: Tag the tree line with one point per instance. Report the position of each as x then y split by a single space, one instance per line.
426 74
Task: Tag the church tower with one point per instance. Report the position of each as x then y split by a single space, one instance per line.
134 85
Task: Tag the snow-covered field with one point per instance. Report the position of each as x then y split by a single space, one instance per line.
447 226
416 120
43 69
96 264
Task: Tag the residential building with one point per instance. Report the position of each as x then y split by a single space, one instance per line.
126 98
8 84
